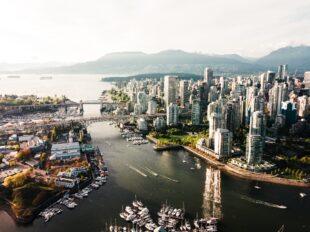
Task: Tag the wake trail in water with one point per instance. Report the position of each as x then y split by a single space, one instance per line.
168 178
137 170
263 202
151 171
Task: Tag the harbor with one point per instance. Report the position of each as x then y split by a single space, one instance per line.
206 191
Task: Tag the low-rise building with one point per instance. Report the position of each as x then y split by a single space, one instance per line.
65 182
62 151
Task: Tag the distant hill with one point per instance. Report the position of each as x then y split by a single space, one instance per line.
296 58
168 61
181 76
178 61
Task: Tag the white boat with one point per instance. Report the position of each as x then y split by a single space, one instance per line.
46 78
302 195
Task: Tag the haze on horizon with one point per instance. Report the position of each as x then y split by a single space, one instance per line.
77 30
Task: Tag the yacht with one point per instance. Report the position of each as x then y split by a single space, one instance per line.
302 195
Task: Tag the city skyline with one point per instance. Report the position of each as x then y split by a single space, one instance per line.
76 32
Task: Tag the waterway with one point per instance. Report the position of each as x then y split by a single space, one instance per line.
206 191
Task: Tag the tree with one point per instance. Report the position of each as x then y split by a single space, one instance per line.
1 157
54 134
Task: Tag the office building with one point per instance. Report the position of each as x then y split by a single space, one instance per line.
208 76
290 113
184 92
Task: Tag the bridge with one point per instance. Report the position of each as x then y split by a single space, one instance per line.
86 121
99 102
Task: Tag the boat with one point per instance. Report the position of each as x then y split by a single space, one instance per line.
257 186
302 195
187 225
13 76
192 168
46 78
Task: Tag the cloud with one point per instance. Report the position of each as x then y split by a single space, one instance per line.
77 30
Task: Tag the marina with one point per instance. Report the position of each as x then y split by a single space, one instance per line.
169 219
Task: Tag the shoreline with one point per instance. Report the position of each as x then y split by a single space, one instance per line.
235 171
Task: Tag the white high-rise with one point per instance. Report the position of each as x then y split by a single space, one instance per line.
170 89
256 138
222 142
172 114
215 122
142 100
152 107
196 112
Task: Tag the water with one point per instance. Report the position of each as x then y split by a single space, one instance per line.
205 191
75 87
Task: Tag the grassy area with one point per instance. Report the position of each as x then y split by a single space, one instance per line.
175 136
118 96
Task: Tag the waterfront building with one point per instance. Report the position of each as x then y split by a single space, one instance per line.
65 182
142 124
172 114
208 76
184 92
254 149
222 143
196 113
256 138
152 107
170 89
159 123
63 151
290 113
214 123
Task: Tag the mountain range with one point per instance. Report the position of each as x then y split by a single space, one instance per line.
178 61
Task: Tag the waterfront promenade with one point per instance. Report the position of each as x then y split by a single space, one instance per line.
236 171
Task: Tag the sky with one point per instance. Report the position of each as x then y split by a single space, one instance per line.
83 30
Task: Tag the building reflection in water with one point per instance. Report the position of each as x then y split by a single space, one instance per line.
212 193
